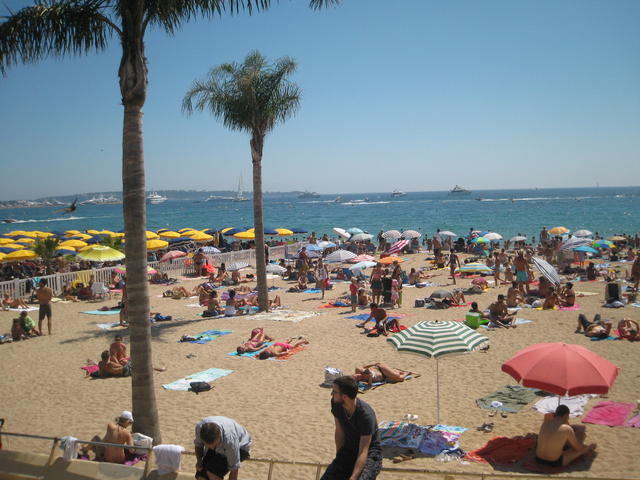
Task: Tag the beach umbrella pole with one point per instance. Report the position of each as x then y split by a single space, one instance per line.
437 393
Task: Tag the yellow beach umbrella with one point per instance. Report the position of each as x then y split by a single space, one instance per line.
73 243
2 255
169 234
108 232
558 230
20 255
5 241
156 244
283 232
617 238
25 240
29 234
225 230
14 246
16 233
83 236
86 247
245 235
151 235
43 234
100 253
71 233
200 237
182 230
93 231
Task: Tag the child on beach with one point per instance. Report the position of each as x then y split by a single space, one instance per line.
353 293
395 294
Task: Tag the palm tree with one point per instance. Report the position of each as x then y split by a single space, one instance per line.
251 97
61 27
45 248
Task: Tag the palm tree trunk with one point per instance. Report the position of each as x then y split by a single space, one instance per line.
257 143
133 86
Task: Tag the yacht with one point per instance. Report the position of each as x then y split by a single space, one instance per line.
398 193
458 190
308 194
240 195
102 200
154 198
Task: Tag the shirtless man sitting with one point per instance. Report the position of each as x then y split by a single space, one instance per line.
379 372
568 295
551 300
256 342
116 433
498 313
118 350
597 328
556 435
514 296
279 349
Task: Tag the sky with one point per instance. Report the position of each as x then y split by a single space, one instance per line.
416 95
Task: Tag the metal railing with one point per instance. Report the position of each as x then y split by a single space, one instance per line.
18 288
319 466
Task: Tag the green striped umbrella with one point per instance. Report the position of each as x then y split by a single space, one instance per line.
437 339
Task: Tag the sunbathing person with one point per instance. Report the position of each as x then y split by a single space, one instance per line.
279 349
629 329
213 305
457 298
179 292
254 301
592 273
499 314
568 295
118 350
363 298
377 315
559 443
8 302
232 306
67 294
301 286
598 328
256 342
379 372
109 366
116 433
514 296
551 300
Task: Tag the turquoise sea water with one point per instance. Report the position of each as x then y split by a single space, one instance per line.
606 210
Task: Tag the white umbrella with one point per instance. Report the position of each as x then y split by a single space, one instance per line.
325 244
340 256
361 237
547 270
391 235
583 233
232 267
437 339
447 233
210 250
409 234
493 236
362 265
518 238
342 232
573 242
275 268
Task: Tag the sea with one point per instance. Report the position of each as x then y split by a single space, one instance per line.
606 210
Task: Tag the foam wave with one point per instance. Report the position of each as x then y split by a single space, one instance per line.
60 219
365 203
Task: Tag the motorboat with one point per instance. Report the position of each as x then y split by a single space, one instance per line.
458 190
398 193
102 200
308 194
155 198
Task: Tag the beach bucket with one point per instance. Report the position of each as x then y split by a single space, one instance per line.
474 320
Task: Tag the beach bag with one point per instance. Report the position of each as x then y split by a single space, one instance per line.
330 374
168 294
419 303
162 318
140 440
198 387
613 292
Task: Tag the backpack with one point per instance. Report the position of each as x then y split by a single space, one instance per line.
419 303
198 387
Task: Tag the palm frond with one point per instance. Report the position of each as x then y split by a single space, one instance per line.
55 28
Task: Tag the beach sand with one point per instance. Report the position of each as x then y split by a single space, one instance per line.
281 402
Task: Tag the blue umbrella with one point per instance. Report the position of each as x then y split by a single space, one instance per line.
586 249
298 230
270 231
313 248
179 239
64 251
233 231
6 250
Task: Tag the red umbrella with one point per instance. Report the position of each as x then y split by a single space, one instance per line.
171 254
396 247
562 368
362 258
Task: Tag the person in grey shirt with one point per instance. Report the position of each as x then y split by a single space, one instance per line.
220 444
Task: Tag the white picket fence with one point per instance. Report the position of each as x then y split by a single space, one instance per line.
179 267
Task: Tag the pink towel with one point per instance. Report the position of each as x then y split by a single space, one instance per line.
612 414
633 422
573 308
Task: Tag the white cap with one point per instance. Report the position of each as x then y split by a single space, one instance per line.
126 416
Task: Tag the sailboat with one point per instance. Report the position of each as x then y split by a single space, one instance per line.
240 195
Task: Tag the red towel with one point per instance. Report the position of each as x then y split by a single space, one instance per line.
612 414
504 450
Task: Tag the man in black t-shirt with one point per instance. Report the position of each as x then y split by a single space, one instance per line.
358 453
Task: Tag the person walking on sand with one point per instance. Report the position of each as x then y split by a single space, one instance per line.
44 295
358 451
522 272
322 275
454 262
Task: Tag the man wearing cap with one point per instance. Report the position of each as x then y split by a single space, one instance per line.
220 444
116 433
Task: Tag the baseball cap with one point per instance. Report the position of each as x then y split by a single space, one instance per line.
126 415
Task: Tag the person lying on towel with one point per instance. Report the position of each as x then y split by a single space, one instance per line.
629 329
279 349
598 328
560 443
256 342
379 372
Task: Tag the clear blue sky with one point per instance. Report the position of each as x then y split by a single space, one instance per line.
411 94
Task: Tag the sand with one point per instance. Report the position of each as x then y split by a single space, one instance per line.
281 403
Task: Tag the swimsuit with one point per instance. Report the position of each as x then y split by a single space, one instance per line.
550 463
285 346
522 276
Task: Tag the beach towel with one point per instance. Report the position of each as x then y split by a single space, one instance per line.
574 308
633 422
207 336
585 294
288 355
363 316
183 384
312 290
425 439
284 315
512 399
249 354
194 305
612 414
102 312
597 339
575 403
90 369
168 458
108 326
503 450
336 304
637 304
28 309
364 387
517 321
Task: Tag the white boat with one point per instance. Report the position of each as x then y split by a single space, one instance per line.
308 194
102 200
398 193
240 195
155 198
458 190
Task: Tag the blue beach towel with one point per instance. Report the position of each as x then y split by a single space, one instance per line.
204 376
102 312
249 354
206 337
312 290
363 316
597 339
